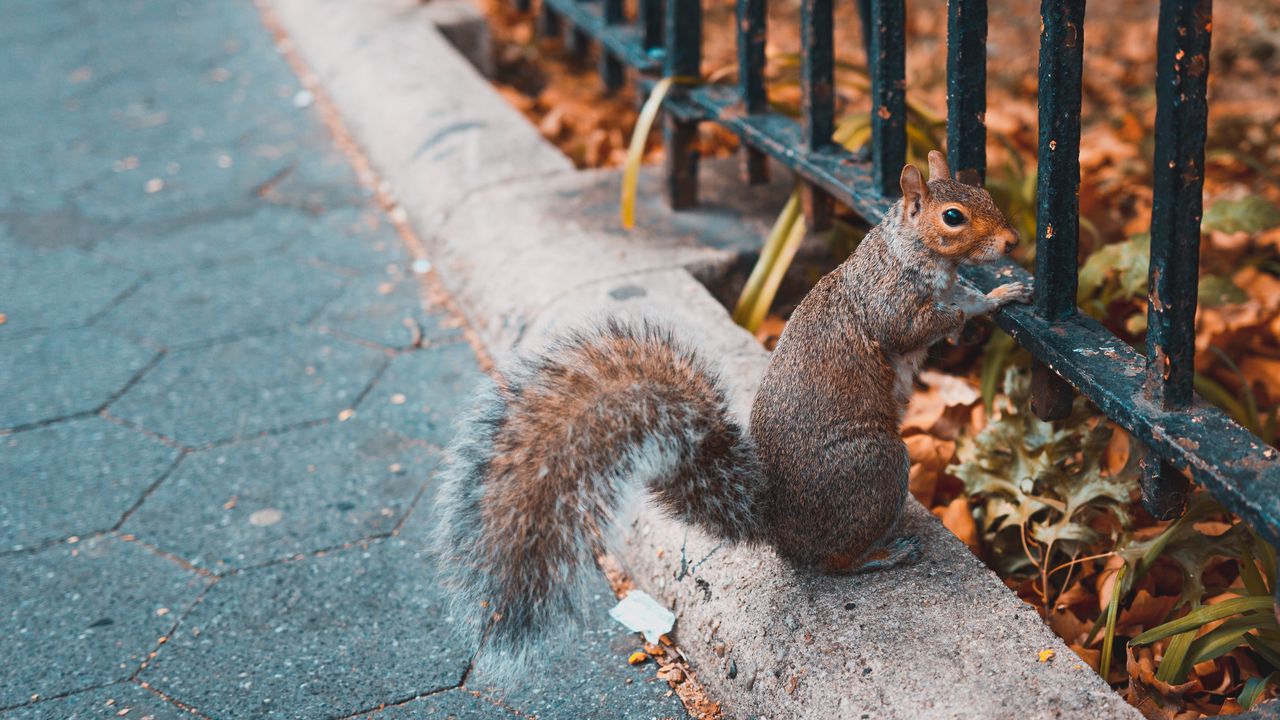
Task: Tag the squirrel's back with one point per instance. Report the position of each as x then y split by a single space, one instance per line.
538 468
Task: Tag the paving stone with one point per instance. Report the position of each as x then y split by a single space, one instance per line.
321 177
55 374
47 473
423 392
263 230
250 386
459 704
355 239
125 700
213 97
388 309
590 677
321 637
281 495
46 223
29 278
203 305
85 614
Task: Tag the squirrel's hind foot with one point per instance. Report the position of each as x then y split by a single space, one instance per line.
905 550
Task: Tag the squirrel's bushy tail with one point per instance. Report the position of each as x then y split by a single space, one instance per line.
539 466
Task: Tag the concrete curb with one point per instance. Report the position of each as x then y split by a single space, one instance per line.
508 223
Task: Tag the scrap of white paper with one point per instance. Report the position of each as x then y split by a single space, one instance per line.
642 614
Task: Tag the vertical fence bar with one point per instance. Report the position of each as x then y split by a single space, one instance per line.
651 19
967 89
612 72
817 96
1058 185
751 60
887 62
549 24
577 43
683 33
1182 75
864 17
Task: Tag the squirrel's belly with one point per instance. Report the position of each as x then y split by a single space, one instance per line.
906 366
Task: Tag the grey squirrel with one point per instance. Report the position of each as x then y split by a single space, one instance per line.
550 448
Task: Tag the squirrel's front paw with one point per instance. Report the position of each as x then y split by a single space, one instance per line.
1011 293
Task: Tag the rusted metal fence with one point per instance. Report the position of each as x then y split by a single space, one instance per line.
1149 395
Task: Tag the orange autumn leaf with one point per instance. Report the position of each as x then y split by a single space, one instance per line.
958 518
1091 657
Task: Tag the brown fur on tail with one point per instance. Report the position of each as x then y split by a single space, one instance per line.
539 467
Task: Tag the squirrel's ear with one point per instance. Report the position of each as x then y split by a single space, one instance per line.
914 191
938 167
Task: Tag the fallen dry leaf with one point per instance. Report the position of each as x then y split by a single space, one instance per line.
1156 699
958 518
930 409
1091 657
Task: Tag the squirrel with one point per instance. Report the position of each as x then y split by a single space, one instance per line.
549 450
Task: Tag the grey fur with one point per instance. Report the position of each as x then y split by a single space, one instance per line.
675 439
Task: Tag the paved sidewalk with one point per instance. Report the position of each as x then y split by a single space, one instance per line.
222 398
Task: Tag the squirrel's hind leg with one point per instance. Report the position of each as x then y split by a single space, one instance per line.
904 550
890 550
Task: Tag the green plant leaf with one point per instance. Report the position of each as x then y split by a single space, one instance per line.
1253 688
750 295
1218 290
1040 494
1228 636
1114 273
1174 663
635 151
1212 391
995 357
1250 214
1267 555
1260 645
776 271
1185 546
1249 574
1109 637
1202 615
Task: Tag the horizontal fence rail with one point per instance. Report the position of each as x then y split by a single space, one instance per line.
1149 396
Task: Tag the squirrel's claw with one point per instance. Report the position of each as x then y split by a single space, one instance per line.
1011 292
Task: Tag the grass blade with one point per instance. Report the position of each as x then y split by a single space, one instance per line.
750 294
1225 638
1253 688
1109 639
1202 615
994 357
1213 392
1253 581
769 289
1268 653
635 151
1173 664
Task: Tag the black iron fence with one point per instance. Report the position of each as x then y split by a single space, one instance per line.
1150 396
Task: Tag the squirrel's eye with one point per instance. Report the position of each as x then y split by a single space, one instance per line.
953 217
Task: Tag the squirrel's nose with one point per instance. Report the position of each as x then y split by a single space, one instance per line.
1010 240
